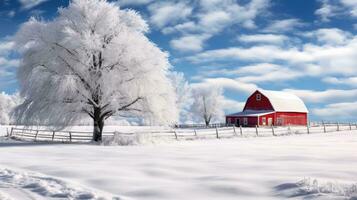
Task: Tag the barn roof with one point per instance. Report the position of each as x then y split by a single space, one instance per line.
284 101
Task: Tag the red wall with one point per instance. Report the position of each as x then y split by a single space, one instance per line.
286 118
253 104
252 121
292 118
272 116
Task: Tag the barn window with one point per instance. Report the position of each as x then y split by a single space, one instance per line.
264 121
245 121
259 97
280 121
229 121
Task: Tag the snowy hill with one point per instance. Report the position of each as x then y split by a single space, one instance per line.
317 166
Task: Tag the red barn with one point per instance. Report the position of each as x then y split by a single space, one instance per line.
267 108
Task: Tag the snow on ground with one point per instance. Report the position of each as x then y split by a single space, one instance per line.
14 185
315 166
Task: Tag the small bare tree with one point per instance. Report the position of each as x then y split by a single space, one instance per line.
92 60
207 103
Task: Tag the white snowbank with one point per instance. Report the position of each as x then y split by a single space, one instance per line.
125 139
15 185
225 169
314 189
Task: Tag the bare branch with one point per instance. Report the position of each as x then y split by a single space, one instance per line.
126 107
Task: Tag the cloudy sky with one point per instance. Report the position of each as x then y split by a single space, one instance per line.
307 47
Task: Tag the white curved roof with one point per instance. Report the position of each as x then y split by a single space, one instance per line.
284 101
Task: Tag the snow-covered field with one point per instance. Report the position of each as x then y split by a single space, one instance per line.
316 166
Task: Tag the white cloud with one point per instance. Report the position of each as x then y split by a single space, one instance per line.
337 111
313 59
256 69
352 5
263 53
258 73
284 25
182 28
28 4
6 46
352 81
214 22
263 38
166 13
330 36
335 8
5 62
133 2
227 84
326 11
212 17
232 106
280 75
330 95
189 42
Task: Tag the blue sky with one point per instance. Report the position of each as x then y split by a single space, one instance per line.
307 47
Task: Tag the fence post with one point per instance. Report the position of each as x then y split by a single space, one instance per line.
70 136
195 132
272 129
256 130
36 135
308 129
53 135
11 132
338 126
175 135
289 129
241 130
234 130
324 127
217 133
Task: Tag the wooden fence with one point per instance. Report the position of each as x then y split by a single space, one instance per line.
179 133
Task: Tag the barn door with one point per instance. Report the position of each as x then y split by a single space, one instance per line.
237 122
270 121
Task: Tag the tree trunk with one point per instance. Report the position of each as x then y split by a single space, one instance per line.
98 124
207 121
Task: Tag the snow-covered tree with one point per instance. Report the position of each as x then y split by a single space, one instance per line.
207 104
183 95
7 104
92 60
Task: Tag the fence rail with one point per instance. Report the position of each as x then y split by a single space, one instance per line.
180 133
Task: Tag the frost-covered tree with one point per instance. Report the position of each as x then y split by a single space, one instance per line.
183 95
92 60
207 104
7 104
